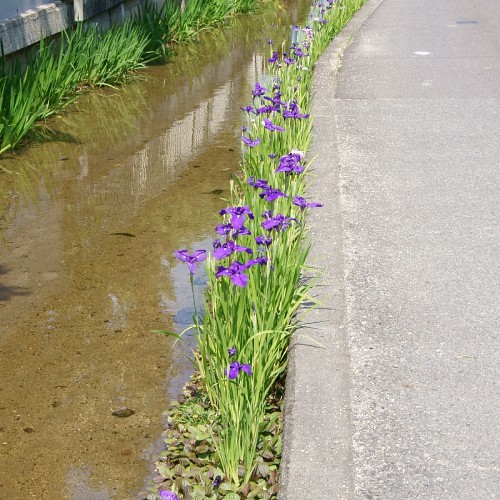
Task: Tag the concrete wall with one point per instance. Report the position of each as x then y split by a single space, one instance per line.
36 19
86 9
11 8
29 27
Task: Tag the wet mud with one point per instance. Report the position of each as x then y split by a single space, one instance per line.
91 216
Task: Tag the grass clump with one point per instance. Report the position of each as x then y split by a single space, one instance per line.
56 72
255 277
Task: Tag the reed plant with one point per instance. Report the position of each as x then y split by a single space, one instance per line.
256 267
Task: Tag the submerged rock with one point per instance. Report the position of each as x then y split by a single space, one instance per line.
123 412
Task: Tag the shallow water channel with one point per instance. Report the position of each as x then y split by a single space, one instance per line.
86 265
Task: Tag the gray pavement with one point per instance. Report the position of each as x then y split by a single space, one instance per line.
402 400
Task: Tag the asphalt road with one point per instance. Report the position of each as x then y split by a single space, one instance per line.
402 401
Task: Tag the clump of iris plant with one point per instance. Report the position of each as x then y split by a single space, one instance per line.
256 314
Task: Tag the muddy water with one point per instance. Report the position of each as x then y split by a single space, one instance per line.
86 267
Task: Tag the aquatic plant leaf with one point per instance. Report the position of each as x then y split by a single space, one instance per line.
263 469
232 496
202 448
165 471
225 487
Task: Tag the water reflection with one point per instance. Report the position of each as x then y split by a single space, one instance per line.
178 303
87 267
79 486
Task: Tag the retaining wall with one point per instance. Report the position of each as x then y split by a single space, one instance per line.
31 20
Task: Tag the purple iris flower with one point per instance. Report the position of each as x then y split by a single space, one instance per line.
275 57
294 112
271 126
308 32
290 164
290 168
223 229
276 100
258 90
278 222
191 259
289 60
226 249
266 110
229 231
168 495
237 215
258 184
248 109
272 155
217 481
246 368
298 52
302 203
271 194
263 240
232 351
235 271
242 231
249 142
235 368
259 261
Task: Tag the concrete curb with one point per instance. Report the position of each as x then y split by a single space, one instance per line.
317 443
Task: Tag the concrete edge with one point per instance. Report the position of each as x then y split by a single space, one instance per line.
317 442
28 28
